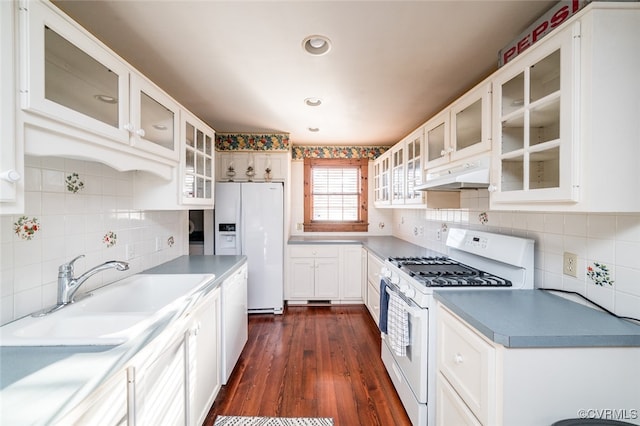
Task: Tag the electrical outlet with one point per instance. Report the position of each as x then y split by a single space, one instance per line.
438 235
570 264
129 252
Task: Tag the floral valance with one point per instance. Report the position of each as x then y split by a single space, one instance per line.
252 142
370 152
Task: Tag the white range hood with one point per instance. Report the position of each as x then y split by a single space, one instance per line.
471 174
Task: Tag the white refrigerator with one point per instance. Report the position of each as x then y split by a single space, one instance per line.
249 220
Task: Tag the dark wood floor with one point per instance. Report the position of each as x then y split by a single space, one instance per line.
312 362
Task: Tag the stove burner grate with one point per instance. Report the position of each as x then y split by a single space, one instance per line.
445 272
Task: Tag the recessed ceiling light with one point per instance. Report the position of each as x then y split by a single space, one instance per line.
313 102
106 98
316 44
313 129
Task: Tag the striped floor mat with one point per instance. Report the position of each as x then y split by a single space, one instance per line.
272 421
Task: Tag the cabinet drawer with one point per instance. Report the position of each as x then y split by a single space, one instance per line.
450 409
468 362
313 251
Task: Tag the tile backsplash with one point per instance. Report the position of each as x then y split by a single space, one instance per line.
609 240
75 207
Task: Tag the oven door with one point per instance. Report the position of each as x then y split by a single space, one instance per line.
413 366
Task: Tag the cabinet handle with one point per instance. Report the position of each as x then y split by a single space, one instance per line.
458 359
10 175
140 132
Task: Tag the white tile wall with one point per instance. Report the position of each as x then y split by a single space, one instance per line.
73 224
611 239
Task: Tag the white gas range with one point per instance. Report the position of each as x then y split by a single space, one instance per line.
474 260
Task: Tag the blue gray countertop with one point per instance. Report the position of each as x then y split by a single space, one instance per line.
381 246
536 318
34 374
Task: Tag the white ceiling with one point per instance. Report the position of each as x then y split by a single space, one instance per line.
240 66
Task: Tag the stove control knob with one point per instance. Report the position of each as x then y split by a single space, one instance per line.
407 290
385 272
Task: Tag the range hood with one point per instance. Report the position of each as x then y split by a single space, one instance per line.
465 175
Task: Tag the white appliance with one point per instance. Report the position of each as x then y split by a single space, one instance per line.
475 260
249 220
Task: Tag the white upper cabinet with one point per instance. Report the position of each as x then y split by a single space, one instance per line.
243 166
534 155
87 100
382 180
462 130
413 147
11 158
155 120
565 117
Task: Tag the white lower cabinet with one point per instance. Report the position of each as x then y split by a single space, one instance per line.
325 272
173 380
480 382
204 375
374 266
158 382
105 406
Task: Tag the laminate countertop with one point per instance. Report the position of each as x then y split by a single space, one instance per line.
537 318
382 246
41 384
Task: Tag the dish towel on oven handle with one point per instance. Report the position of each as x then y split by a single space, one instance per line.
384 306
398 324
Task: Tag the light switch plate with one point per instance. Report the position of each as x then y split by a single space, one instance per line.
570 264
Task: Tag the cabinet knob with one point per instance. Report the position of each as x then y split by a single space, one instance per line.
140 132
129 127
443 152
10 175
458 359
492 188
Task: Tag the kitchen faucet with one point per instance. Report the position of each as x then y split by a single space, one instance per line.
68 285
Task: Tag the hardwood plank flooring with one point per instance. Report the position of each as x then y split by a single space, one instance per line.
312 361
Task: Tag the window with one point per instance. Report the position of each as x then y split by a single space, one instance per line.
335 195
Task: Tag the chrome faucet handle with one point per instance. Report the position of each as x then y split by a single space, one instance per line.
68 267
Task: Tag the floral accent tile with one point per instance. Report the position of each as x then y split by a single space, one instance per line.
483 218
26 227
355 152
171 241
74 184
252 142
110 239
599 273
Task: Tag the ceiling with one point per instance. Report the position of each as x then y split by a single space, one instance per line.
240 65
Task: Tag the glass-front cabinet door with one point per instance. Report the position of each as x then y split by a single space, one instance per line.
413 149
155 119
534 154
198 163
436 140
471 123
70 77
398 176
382 179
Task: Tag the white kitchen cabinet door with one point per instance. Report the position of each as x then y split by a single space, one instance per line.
276 163
413 147
106 406
398 174
327 278
159 381
61 55
352 282
450 408
232 166
155 119
471 123
382 180
302 278
11 147
197 161
314 272
535 152
203 357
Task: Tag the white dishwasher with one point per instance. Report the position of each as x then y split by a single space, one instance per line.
235 328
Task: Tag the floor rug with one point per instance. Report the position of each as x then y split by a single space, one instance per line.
272 421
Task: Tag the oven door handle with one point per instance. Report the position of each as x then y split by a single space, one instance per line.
411 307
